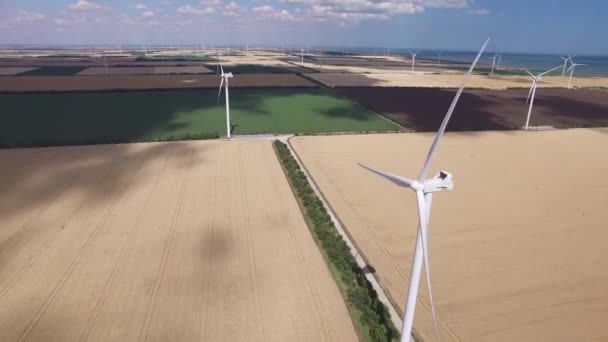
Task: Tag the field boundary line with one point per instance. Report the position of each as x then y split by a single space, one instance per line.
298 253
359 257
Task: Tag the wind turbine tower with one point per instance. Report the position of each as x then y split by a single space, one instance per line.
424 189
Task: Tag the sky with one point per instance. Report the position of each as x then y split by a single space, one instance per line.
535 26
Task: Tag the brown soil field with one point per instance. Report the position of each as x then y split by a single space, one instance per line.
182 241
401 77
10 71
517 249
423 109
120 82
146 70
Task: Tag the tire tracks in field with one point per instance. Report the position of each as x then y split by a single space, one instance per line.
75 261
50 240
210 253
252 267
292 240
123 254
169 244
61 189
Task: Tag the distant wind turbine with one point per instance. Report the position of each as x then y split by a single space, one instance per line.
493 63
414 58
424 189
439 53
532 92
499 60
571 69
225 78
565 63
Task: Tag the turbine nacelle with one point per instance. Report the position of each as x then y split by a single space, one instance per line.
441 182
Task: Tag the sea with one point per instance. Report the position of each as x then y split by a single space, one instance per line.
596 65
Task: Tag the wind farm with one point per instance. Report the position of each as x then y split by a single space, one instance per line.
301 171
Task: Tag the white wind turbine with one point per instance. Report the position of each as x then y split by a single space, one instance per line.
493 63
532 92
499 60
571 69
225 78
414 58
424 189
439 53
566 63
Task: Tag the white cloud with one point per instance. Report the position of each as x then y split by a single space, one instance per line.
479 11
148 14
27 17
187 9
233 10
141 7
84 5
263 9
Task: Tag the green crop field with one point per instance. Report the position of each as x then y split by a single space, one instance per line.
89 118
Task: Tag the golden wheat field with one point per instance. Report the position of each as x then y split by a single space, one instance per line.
176 241
518 249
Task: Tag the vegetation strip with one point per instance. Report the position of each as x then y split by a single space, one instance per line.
370 316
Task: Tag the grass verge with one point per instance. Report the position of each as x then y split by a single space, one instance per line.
370 317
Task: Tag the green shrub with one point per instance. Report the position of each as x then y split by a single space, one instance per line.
373 323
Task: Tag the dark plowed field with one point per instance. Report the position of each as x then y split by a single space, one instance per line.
423 109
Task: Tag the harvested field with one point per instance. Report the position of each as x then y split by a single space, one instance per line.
53 71
159 242
423 109
146 70
517 249
10 71
126 82
404 78
87 118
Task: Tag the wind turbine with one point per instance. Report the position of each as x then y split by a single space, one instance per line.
493 63
532 92
219 63
225 77
439 53
414 58
571 69
424 189
499 60
566 63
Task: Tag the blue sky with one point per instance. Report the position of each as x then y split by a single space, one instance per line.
543 26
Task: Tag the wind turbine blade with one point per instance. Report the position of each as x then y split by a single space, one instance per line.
424 213
397 180
529 73
444 124
550 70
222 67
219 93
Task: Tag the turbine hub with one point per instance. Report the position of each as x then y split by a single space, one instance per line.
417 186
441 182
